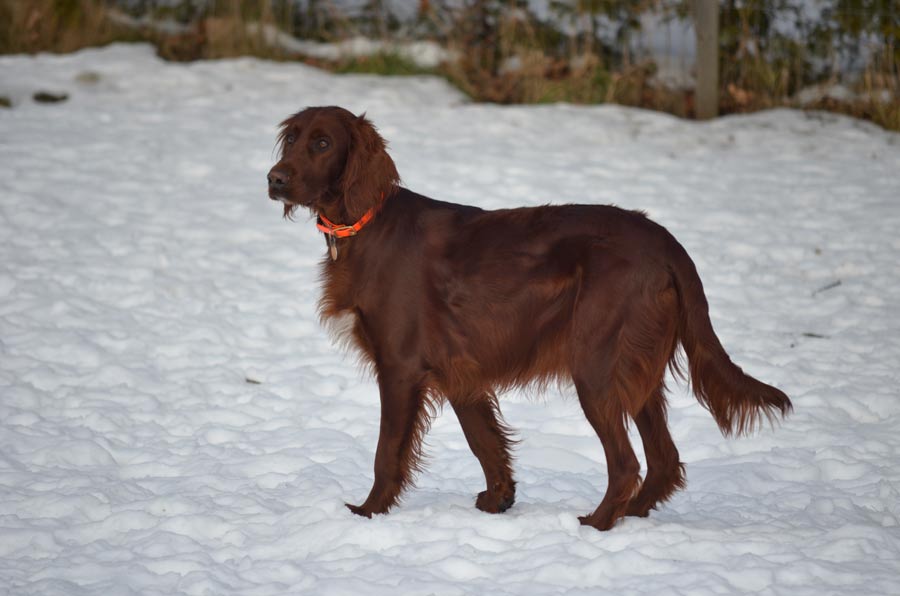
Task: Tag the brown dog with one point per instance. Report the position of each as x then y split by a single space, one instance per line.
453 302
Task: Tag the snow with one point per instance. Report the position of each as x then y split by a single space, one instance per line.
422 53
173 419
426 54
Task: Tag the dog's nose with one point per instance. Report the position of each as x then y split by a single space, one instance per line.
277 178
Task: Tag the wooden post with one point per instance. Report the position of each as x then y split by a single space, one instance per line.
706 25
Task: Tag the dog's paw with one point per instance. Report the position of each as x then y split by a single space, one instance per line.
637 508
359 510
493 503
602 521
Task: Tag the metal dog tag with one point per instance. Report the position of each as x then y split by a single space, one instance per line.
332 247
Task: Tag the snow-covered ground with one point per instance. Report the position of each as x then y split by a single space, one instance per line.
145 279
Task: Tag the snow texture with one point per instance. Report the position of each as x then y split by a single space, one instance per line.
427 54
173 420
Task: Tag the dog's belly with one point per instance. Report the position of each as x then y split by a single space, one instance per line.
510 330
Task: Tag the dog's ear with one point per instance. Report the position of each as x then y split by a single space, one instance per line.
369 174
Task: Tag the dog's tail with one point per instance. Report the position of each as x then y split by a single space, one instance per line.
737 401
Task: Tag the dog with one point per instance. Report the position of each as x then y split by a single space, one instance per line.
453 303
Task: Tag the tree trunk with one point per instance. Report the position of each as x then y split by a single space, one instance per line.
706 25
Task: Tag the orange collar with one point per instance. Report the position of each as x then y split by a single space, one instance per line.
338 231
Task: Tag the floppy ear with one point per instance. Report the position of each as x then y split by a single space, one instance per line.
370 173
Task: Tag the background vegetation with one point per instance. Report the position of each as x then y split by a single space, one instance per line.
840 55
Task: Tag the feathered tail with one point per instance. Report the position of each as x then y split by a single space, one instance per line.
737 401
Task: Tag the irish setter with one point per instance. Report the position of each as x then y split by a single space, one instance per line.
452 302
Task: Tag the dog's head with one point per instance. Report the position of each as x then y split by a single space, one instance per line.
331 161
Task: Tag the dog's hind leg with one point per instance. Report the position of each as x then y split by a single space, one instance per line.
600 374
665 474
603 410
623 336
490 441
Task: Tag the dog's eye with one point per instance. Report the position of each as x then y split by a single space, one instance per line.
322 144
290 139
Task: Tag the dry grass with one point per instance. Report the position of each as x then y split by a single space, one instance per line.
29 26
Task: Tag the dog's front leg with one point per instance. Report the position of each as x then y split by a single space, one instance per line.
490 440
404 421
